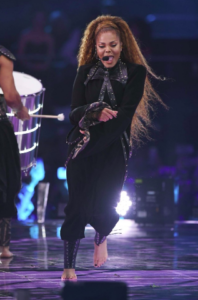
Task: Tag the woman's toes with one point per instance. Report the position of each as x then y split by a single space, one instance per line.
68 274
63 278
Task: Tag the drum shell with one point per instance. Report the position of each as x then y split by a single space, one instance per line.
27 132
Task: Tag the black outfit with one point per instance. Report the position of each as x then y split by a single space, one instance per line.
96 175
71 249
70 252
5 232
10 171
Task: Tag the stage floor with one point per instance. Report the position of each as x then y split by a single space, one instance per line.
156 262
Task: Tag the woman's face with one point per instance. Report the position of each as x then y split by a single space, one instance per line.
108 44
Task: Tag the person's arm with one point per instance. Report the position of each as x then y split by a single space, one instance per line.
104 134
79 105
132 95
11 95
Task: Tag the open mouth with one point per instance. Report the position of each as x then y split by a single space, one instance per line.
110 59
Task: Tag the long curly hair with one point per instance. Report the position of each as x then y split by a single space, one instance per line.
130 53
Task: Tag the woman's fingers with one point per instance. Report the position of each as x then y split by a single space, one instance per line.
103 117
84 138
107 114
112 112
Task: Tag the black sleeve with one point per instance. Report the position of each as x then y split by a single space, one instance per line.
78 105
104 134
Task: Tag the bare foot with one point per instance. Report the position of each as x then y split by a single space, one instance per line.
69 274
100 254
4 263
6 253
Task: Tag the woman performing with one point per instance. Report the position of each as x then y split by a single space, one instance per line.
110 109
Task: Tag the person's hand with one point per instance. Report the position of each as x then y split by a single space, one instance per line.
84 138
23 114
107 114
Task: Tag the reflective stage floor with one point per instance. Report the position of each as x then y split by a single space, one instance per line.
156 262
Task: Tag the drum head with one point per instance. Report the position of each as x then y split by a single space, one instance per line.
26 84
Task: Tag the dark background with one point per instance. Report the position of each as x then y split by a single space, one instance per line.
167 32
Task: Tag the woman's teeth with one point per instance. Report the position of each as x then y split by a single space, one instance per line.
110 59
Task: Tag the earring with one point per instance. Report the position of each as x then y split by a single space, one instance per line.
95 54
120 54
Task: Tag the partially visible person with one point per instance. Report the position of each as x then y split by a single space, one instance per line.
59 29
35 53
10 171
36 47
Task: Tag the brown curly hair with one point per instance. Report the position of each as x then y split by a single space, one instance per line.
130 53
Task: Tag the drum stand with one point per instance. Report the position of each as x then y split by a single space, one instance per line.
42 197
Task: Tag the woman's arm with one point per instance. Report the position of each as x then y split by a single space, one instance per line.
78 105
132 95
104 134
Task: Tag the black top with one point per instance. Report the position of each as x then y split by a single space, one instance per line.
127 98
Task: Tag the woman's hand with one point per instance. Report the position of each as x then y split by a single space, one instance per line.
84 138
107 114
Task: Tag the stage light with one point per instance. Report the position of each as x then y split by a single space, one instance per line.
34 231
61 173
58 229
150 18
25 206
124 204
37 231
176 193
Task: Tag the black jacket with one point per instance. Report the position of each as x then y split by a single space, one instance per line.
127 98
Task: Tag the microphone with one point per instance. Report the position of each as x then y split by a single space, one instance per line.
105 58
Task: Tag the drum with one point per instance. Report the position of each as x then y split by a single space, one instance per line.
27 132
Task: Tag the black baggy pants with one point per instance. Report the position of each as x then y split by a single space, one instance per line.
10 171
